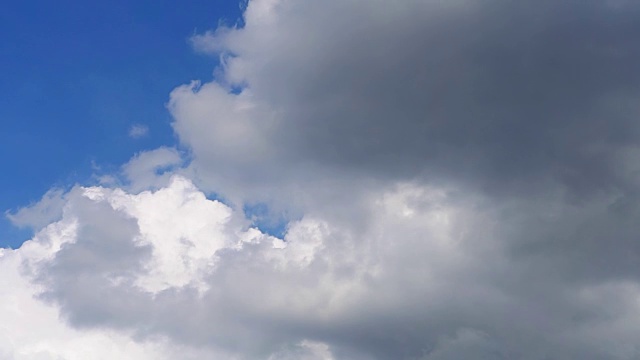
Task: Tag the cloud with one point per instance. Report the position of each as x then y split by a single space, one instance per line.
40 214
460 178
428 274
497 96
137 131
149 169
31 329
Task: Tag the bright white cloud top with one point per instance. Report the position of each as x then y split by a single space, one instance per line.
460 179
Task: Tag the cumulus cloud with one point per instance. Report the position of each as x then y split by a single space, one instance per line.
32 329
428 275
461 179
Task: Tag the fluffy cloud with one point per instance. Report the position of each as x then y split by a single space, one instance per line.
428 274
460 180
31 328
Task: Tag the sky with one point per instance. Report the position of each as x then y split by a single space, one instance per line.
340 179
79 76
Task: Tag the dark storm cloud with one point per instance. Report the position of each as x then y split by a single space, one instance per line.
499 94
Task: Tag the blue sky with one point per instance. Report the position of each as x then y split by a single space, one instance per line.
77 75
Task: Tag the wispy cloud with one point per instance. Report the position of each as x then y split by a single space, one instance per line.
137 131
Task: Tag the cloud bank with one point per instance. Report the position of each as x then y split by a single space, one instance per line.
460 180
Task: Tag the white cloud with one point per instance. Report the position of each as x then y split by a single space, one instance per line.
177 222
184 229
137 131
31 329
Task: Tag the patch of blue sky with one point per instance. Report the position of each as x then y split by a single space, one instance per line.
78 75
267 220
11 236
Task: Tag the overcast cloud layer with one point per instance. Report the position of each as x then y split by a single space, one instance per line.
460 178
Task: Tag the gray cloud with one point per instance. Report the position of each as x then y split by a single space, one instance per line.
84 270
530 105
500 96
429 276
